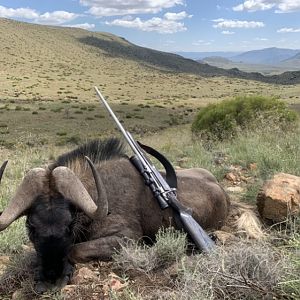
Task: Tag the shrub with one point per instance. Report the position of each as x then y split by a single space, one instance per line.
239 271
223 120
170 247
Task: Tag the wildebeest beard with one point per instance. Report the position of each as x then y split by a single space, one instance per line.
49 224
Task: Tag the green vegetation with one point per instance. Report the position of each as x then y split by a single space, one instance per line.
223 120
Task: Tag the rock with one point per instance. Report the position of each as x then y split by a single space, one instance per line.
69 291
182 161
252 166
231 177
114 283
4 261
279 197
84 275
224 237
235 189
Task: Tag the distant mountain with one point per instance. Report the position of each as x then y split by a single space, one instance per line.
267 56
201 55
225 63
292 62
293 58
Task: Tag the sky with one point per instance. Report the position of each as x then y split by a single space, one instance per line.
173 25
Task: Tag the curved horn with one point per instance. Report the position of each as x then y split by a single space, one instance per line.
2 169
32 185
101 191
69 185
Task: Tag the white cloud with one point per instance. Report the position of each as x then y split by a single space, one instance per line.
254 5
86 26
288 30
283 6
261 39
50 18
56 17
101 8
25 13
224 24
202 43
289 6
227 32
161 25
176 16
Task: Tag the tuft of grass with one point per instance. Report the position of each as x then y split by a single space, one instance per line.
170 246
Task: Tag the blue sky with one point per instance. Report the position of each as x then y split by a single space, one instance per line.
173 25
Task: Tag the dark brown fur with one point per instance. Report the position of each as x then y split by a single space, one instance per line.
133 211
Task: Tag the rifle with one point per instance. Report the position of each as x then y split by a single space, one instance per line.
165 195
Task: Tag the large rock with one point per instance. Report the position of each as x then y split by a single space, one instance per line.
279 197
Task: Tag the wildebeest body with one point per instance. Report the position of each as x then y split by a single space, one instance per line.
133 211
80 220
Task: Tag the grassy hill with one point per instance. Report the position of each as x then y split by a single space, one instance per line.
47 76
55 62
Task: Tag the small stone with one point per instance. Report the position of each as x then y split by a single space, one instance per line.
69 291
115 283
231 177
84 275
4 261
224 237
243 178
252 166
235 189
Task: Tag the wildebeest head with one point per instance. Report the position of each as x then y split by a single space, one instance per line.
49 198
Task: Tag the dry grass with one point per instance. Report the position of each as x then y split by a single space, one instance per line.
170 246
240 271
243 270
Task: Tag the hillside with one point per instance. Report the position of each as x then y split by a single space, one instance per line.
272 56
47 62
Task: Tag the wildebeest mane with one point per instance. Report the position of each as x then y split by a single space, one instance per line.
96 150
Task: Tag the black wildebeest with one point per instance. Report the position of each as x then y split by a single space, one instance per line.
78 210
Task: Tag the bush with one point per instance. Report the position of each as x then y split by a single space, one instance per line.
238 271
223 120
170 247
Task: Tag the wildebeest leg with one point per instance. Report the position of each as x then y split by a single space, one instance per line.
105 238
101 248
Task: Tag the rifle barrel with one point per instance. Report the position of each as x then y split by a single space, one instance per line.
127 136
